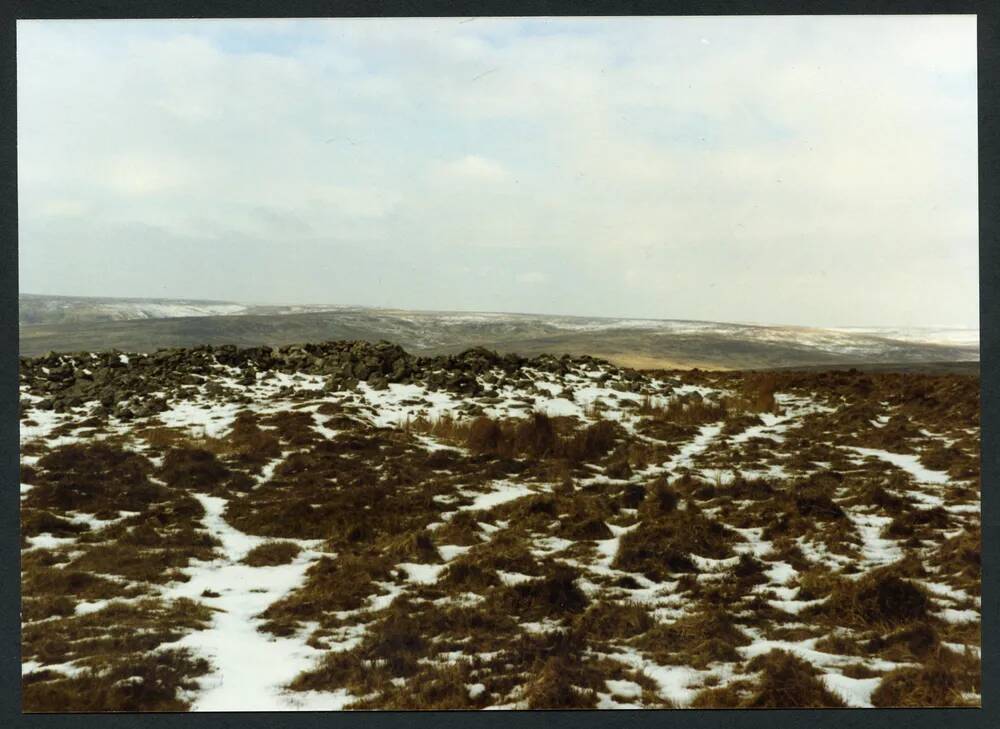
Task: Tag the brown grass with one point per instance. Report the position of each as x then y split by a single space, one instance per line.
940 681
883 598
271 553
787 681
152 682
659 548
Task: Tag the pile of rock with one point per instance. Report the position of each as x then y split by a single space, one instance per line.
138 385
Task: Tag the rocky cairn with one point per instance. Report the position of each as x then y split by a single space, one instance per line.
132 385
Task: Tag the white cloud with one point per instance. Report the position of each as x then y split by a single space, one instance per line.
622 149
532 277
472 168
63 207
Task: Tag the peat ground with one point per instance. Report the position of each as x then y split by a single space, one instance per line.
346 526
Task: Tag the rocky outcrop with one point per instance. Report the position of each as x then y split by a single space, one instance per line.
139 385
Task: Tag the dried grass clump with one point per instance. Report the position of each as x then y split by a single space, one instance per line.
468 577
39 521
592 442
271 553
485 436
95 478
152 682
694 410
659 500
962 554
555 595
883 598
415 546
787 682
940 681
706 635
726 697
606 620
193 469
757 391
535 436
432 688
332 585
506 551
913 522
585 529
915 641
659 548
552 688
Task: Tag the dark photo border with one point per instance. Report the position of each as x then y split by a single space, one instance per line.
989 278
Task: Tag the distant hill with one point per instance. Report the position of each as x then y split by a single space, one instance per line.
52 323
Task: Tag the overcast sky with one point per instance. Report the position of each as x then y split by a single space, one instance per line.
817 171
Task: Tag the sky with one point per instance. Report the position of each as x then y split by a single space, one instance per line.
817 171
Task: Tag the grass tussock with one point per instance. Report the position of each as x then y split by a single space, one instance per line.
705 636
663 547
883 598
554 595
946 679
786 681
152 682
271 554
605 620
95 478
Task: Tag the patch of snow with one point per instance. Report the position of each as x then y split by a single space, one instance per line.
856 692
909 463
249 668
513 578
422 574
951 615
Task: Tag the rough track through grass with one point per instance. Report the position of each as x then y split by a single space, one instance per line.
346 526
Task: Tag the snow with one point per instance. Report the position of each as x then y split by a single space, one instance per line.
805 650
856 692
780 572
607 701
608 548
677 683
945 591
422 574
47 541
683 459
85 608
909 463
795 606
502 492
69 668
449 552
209 420
961 648
625 689
875 550
550 545
922 335
951 615
249 668
755 544
513 578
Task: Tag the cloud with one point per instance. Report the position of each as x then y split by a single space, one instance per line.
63 207
532 277
814 169
472 168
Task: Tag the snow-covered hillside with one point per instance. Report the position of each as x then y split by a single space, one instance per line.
346 526
65 324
